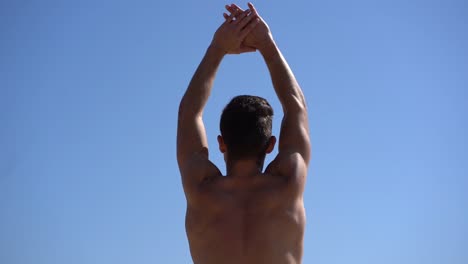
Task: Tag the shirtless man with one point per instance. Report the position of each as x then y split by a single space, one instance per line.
249 216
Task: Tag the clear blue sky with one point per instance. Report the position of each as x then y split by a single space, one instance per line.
89 92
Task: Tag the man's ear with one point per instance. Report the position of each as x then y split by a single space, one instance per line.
271 145
222 146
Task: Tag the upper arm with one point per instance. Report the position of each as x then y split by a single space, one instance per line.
191 136
294 148
192 151
294 141
294 133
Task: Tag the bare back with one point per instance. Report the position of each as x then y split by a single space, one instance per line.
235 219
256 221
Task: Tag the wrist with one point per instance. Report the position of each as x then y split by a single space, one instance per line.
269 48
216 50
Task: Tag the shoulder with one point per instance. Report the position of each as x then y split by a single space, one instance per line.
196 175
292 168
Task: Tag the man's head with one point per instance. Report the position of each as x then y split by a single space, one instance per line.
246 124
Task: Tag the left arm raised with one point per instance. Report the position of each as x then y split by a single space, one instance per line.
191 136
192 145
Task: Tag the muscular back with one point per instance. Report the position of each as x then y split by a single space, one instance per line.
258 220
235 219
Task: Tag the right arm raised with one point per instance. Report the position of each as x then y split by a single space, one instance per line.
294 135
294 142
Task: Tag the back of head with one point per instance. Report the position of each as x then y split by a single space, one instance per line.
246 127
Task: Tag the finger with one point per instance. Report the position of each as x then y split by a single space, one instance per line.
230 18
238 13
249 28
229 9
241 18
252 7
234 9
226 16
245 19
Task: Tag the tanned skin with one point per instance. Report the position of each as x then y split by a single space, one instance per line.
249 216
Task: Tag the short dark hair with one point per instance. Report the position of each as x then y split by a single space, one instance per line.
246 124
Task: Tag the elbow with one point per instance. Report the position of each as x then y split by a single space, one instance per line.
190 106
188 111
184 107
297 104
300 98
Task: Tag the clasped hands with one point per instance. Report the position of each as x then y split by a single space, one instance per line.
242 31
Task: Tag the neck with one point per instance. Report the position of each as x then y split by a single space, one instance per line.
244 168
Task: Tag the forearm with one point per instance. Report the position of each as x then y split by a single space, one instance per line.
200 86
285 84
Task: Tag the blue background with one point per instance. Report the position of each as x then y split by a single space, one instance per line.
89 92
